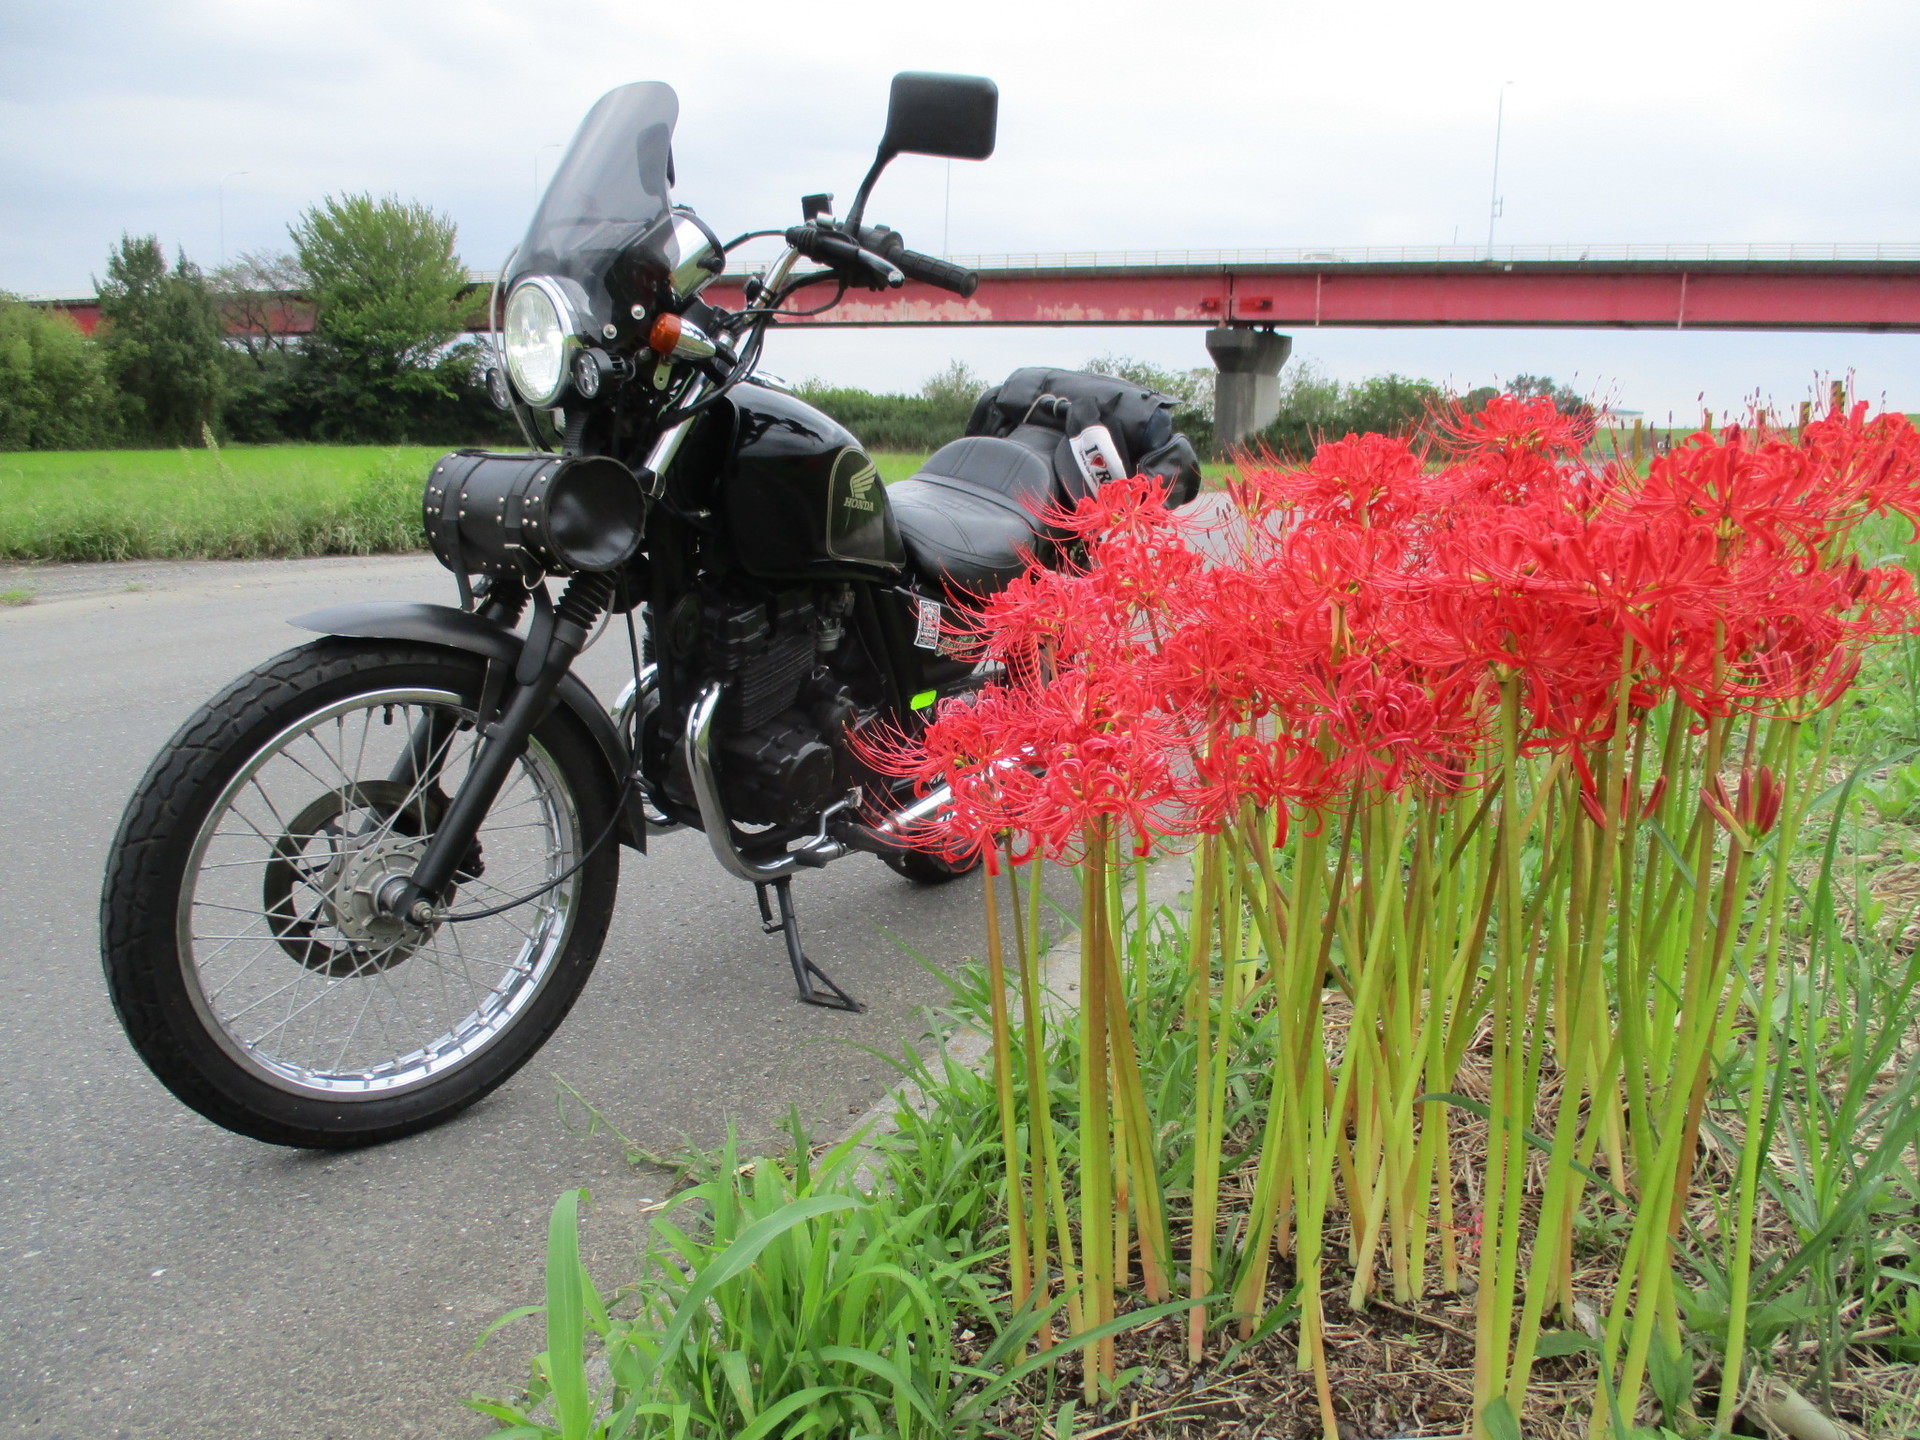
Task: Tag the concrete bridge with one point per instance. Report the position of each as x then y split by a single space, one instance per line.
1244 297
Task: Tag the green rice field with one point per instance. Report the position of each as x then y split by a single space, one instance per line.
241 502
236 503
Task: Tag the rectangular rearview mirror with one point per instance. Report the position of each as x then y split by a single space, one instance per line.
950 115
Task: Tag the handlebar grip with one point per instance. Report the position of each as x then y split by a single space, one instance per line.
915 266
928 270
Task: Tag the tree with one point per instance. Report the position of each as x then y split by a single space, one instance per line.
53 387
266 319
386 287
258 298
162 338
1528 387
952 393
1390 405
958 384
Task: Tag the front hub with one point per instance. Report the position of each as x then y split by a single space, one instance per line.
322 889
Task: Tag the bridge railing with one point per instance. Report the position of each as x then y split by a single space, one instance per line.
1432 255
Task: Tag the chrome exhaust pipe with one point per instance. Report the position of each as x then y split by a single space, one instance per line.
821 849
925 808
816 852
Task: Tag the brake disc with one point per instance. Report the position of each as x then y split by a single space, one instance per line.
328 865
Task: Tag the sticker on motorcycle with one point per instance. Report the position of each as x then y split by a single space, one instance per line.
1096 454
926 635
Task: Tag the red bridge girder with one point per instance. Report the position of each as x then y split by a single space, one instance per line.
1631 295
1671 294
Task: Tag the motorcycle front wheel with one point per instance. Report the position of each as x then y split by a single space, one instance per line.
243 952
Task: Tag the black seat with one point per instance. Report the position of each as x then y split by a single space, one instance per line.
968 517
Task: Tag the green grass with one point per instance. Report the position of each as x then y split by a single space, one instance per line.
242 502
237 503
896 464
19 595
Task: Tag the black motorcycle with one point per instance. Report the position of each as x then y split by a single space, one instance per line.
363 885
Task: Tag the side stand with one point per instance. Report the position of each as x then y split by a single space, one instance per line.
814 985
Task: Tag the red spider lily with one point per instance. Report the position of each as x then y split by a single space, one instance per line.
1042 763
1368 479
1507 425
1367 609
1758 803
1872 463
1752 810
1743 497
1277 771
1135 508
1393 724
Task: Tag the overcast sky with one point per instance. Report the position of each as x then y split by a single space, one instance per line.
1122 126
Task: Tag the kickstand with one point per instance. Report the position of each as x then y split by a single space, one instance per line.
816 988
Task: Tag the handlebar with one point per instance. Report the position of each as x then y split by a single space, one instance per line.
876 257
911 263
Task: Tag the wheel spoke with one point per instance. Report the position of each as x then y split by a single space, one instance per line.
346 1043
304 823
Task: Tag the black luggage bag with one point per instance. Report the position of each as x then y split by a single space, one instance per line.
1045 409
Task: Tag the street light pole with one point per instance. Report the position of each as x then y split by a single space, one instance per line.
1494 205
230 175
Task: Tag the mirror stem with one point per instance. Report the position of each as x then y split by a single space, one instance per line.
880 162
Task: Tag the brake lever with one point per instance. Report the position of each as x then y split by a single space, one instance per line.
870 271
886 275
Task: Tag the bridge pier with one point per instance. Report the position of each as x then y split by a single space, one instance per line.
1246 392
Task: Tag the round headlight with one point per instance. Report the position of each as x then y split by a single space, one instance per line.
539 338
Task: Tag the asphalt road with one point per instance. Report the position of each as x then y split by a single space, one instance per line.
160 1277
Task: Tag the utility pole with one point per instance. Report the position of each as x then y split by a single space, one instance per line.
1495 205
946 216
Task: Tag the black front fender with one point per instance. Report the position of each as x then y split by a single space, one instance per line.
477 635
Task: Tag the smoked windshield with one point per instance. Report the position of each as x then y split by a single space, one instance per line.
611 185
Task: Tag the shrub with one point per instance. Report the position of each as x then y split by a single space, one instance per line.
1315 408
53 387
922 422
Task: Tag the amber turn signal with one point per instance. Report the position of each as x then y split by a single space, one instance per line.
665 335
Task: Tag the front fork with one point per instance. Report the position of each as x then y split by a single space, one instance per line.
558 634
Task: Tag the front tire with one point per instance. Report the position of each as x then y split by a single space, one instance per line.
242 953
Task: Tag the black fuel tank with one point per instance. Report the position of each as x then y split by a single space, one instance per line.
803 500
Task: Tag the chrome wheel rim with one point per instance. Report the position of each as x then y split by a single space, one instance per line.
293 972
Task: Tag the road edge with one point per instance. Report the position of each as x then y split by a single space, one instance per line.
1168 877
